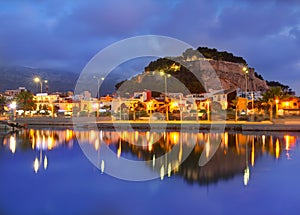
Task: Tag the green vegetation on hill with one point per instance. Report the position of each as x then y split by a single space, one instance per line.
220 55
212 53
259 76
284 88
181 73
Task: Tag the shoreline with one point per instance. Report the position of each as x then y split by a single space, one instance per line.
90 122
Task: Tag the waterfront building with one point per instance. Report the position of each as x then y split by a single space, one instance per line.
224 98
10 94
290 106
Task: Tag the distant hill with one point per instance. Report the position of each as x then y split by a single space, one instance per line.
13 77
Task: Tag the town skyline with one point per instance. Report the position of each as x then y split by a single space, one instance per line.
66 35
227 66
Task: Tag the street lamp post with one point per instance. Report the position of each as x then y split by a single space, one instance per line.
253 112
38 80
252 96
99 80
96 106
208 111
46 82
180 104
166 91
245 69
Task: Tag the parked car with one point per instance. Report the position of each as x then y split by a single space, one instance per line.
202 115
157 116
83 113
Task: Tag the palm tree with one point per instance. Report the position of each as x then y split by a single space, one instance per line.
25 101
269 98
3 103
273 93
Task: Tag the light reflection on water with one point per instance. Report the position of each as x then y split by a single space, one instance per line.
237 155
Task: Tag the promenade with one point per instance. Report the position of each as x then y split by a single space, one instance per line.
107 123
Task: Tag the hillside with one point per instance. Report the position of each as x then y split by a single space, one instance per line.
13 77
226 66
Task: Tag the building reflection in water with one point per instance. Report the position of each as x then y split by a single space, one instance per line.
236 155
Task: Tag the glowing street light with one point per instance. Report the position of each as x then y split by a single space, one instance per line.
99 80
38 80
13 107
245 70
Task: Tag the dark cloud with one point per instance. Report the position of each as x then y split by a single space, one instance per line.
68 33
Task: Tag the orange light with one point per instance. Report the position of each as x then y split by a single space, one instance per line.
119 151
150 146
207 148
174 136
287 104
226 140
277 149
252 154
50 142
287 142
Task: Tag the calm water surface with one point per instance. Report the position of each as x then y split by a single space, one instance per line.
46 172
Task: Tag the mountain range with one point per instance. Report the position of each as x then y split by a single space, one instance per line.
13 77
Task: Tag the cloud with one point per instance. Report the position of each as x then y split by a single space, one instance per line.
68 33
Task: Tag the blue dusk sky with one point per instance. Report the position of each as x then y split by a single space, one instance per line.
66 34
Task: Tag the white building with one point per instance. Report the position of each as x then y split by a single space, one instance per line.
255 94
13 93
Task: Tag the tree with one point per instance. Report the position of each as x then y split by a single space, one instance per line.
189 53
269 98
3 103
273 93
235 103
25 101
220 55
